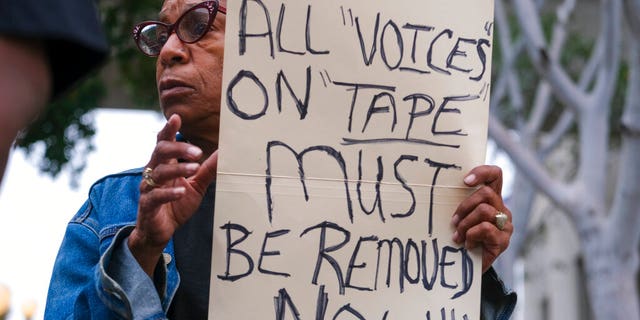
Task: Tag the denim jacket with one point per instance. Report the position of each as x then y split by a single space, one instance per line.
96 277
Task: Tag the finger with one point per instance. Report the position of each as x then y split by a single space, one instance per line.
168 151
487 175
151 200
484 194
146 186
168 132
482 234
164 173
164 156
206 173
488 236
492 241
482 213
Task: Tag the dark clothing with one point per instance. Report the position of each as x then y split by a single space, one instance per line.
194 239
70 31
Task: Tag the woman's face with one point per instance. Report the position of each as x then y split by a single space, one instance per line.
189 76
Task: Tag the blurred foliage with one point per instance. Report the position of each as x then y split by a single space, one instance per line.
62 135
62 128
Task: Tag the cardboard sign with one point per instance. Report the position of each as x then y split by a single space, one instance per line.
347 127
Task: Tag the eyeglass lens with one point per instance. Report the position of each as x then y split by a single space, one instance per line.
193 25
189 28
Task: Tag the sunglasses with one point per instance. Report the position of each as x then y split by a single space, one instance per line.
150 36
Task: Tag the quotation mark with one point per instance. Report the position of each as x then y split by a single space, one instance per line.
484 92
487 27
328 78
344 18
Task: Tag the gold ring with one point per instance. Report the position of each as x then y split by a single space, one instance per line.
146 175
501 220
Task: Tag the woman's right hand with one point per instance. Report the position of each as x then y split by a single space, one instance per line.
171 194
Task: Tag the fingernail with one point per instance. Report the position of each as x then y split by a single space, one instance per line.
455 220
179 190
455 237
470 179
192 166
194 151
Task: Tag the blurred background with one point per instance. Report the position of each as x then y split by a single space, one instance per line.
565 110
35 207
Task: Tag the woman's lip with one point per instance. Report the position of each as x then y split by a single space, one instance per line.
175 91
169 83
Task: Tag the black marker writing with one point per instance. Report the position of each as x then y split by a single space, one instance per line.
267 32
299 158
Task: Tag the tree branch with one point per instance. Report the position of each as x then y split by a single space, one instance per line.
561 83
593 123
509 53
543 93
553 139
566 120
610 64
624 223
531 167
540 107
632 10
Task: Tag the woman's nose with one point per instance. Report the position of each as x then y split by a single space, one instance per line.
173 51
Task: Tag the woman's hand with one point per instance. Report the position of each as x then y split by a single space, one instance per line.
475 218
170 195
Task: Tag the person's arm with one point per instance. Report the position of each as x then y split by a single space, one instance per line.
121 273
25 87
475 225
96 277
73 290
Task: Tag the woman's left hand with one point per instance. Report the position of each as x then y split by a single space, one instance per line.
475 218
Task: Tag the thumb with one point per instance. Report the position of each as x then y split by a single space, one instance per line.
207 171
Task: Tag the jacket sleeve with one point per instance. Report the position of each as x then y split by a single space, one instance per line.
120 273
72 293
93 278
497 303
